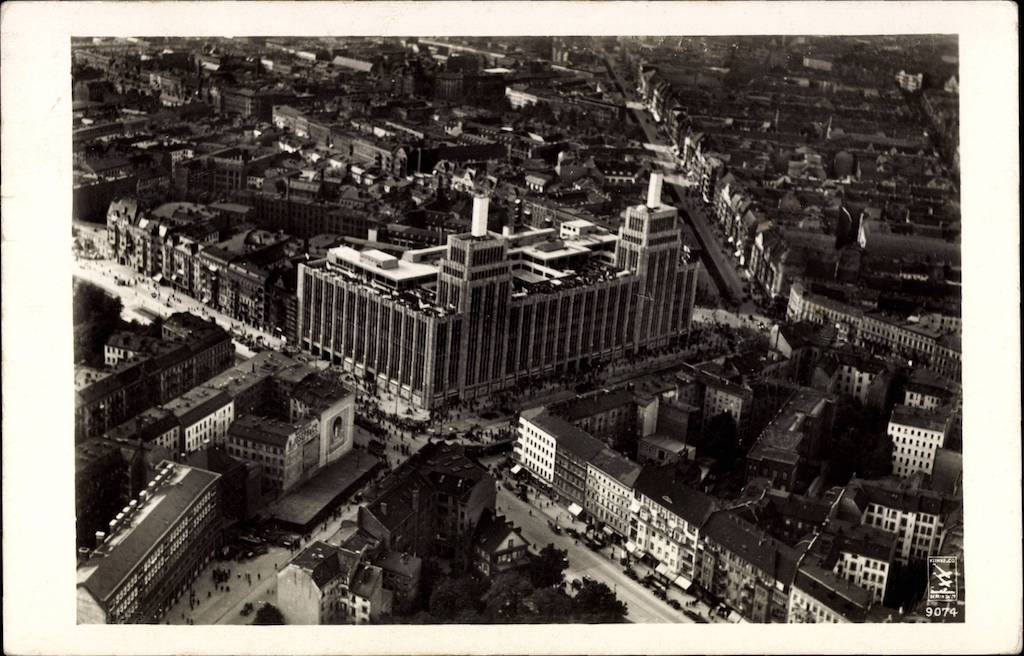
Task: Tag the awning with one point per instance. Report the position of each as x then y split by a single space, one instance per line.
575 509
634 507
518 468
608 530
663 569
735 617
683 582
158 277
630 547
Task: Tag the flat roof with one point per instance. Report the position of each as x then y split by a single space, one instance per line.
127 547
374 261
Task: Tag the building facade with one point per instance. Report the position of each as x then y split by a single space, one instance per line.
152 550
497 309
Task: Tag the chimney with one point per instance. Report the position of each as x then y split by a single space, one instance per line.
384 509
480 205
654 191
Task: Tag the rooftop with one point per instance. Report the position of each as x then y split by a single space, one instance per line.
933 420
127 547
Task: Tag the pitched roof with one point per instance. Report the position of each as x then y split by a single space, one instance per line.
662 485
848 600
325 563
569 437
753 545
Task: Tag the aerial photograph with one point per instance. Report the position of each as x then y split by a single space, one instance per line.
517 330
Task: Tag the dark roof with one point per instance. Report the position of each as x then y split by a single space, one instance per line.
325 563
848 600
664 487
906 415
127 548
753 545
592 404
617 466
197 404
492 531
320 391
894 493
265 430
569 437
799 507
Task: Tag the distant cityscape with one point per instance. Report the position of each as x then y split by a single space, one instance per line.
517 330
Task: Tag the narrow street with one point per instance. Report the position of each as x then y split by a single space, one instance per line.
642 605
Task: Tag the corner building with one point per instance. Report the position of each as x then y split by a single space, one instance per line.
490 309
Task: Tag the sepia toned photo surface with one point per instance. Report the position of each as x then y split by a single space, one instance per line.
518 330
510 327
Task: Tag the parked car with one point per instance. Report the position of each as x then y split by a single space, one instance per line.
675 604
247 609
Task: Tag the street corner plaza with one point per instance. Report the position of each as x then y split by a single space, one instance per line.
517 330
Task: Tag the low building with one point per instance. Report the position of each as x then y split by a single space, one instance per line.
152 550
324 584
660 449
498 545
402 573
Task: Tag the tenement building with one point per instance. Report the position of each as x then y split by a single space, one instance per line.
152 550
465 320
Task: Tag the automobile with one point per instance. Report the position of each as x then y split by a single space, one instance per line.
631 573
554 528
660 594
571 532
699 619
247 609
675 604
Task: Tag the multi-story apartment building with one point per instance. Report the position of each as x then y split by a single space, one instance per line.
609 488
183 359
666 519
747 568
497 308
535 446
916 516
279 447
203 416
152 550
854 375
933 339
916 435
862 555
324 584
715 394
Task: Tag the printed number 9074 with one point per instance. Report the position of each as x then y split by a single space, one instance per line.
941 611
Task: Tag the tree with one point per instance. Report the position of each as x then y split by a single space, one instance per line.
550 605
454 596
595 602
505 600
547 567
96 316
268 614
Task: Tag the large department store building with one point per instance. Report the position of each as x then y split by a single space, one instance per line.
486 310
